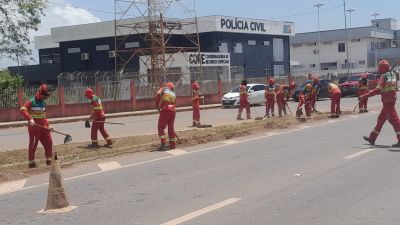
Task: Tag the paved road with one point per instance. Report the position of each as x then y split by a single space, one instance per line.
317 174
17 138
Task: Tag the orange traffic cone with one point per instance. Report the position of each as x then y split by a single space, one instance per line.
57 201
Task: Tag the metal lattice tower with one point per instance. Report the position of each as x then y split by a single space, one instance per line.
154 27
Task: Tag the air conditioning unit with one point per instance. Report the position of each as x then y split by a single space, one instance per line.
393 43
50 61
84 56
112 54
315 51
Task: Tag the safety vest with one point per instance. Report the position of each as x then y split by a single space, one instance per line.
38 109
270 90
388 82
96 104
168 96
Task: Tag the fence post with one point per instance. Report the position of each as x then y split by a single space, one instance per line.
133 94
61 98
220 88
98 91
20 95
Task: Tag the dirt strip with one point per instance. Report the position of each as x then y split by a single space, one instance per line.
13 164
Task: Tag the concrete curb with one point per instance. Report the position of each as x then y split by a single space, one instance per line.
111 115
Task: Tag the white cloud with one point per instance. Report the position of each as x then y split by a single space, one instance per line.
57 15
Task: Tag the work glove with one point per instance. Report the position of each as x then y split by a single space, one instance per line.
31 122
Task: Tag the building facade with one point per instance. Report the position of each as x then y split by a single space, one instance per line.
256 47
362 46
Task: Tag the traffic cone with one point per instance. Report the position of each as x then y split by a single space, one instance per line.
57 200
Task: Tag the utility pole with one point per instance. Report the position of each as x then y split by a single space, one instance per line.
319 5
349 60
347 35
375 14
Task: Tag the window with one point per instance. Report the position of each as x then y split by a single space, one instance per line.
132 44
251 42
278 50
341 47
102 47
258 87
361 62
223 47
312 65
74 50
279 70
266 43
312 44
238 48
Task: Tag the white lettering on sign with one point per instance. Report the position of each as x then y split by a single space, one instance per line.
209 59
245 25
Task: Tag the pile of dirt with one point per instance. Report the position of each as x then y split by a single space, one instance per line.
13 164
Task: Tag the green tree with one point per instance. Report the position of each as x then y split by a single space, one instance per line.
17 19
8 81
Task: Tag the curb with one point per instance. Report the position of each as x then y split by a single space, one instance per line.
113 115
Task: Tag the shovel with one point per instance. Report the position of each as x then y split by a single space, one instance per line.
204 125
67 138
255 110
355 107
287 105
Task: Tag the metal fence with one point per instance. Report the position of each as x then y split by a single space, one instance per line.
113 91
8 98
76 94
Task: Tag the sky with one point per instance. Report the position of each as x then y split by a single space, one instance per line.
301 12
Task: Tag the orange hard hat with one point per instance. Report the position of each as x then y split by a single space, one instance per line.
44 90
383 67
170 85
195 86
271 81
89 93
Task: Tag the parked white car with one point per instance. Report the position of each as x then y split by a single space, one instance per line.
256 91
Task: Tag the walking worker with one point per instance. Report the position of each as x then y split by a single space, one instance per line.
362 89
166 105
244 101
196 103
34 110
282 92
387 88
305 98
270 90
335 94
98 117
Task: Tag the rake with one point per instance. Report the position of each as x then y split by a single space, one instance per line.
204 125
67 138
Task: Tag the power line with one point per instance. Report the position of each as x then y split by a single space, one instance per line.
306 13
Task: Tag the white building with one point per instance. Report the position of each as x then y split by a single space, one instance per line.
333 53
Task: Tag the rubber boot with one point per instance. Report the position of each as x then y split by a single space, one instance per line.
172 145
32 164
397 145
109 143
48 161
371 142
162 147
94 145
239 117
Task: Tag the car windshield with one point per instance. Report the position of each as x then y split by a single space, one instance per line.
236 89
354 78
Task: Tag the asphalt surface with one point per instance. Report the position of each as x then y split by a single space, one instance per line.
17 138
316 174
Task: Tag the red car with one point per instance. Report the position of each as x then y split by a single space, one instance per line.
350 87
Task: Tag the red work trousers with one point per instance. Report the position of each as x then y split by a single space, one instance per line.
389 113
280 101
269 106
99 126
244 105
167 118
335 103
363 104
196 114
314 101
37 134
307 108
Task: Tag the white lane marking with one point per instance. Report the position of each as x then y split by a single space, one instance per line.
109 165
230 142
202 211
359 153
171 156
12 186
177 152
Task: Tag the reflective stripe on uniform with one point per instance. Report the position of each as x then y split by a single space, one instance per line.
375 131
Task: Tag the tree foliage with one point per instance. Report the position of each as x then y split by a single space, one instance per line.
8 81
17 19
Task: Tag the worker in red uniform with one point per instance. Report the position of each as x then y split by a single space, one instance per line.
98 117
362 89
244 101
196 104
335 94
305 98
282 92
270 98
292 88
34 110
387 87
315 92
165 103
